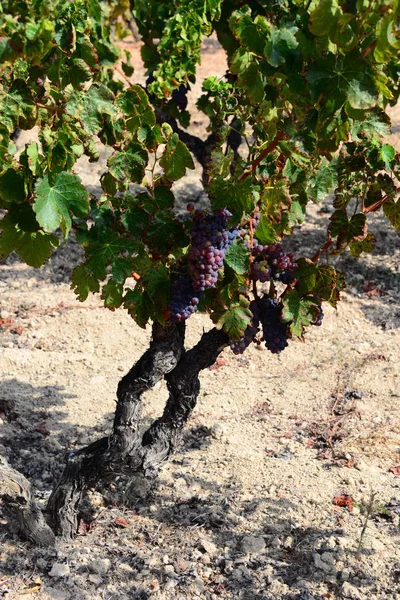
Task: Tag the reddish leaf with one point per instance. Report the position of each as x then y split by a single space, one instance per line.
344 500
85 527
121 522
220 362
42 428
370 289
395 470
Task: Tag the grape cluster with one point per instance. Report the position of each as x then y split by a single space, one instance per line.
318 319
272 263
245 232
209 242
275 332
184 299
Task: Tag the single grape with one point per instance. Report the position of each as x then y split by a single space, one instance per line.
318 319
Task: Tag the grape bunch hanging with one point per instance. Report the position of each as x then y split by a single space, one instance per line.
210 239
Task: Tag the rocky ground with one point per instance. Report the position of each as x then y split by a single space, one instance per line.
287 483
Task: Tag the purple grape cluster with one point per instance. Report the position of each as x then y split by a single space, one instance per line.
267 312
209 242
184 299
318 319
272 263
275 332
260 271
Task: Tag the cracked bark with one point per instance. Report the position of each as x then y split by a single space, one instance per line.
125 451
121 452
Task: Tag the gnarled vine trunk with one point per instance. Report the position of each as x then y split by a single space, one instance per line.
126 451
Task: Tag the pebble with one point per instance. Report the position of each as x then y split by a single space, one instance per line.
350 591
56 594
251 544
289 541
100 566
376 544
328 558
276 542
345 575
355 511
330 543
320 564
208 547
59 570
95 579
217 431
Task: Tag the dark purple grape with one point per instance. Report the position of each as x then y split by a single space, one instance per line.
318 319
281 264
179 96
275 332
184 299
260 271
209 242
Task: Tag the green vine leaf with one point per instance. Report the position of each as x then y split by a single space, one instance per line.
56 198
392 211
233 320
176 158
299 312
33 247
238 258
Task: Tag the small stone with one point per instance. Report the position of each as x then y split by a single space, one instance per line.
276 542
208 547
95 579
217 431
330 543
345 575
350 591
171 583
375 544
182 565
56 594
198 587
100 566
59 570
169 571
289 541
251 544
355 511
320 564
328 558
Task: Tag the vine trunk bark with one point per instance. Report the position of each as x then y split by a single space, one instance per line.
126 451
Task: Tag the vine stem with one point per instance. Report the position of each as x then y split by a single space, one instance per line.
279 137
49 107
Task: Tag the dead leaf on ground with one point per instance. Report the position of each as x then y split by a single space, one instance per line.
344 500
34 587
220 362
395 470
42 428
121 522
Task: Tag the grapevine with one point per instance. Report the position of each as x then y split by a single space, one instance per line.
301 117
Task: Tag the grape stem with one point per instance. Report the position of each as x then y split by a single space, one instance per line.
279 137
